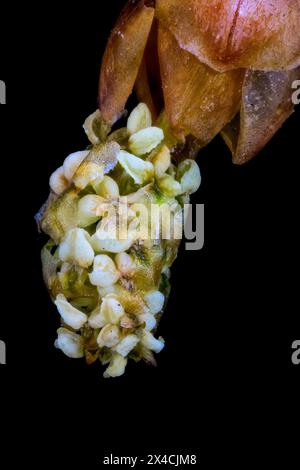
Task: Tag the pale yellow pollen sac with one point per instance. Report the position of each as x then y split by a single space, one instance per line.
104 271
125 264
106 211
104 291
126 345
72 163
188 173
110 245
161 161
107 188
116 366
155 301
58 182
145 140
76 248
139 196
70 343
112 309
88 209
169 186
149 320
108 239
109 336
69 314
90 127
89 173
138 229
97 318
148 340
139 118
141 171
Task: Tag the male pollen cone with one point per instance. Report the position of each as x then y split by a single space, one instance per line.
221 65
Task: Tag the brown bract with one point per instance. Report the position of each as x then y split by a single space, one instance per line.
222 65
229 34
198 100
266 104
122 58
143 89
148 86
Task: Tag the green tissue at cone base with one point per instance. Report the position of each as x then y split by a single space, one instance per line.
110 293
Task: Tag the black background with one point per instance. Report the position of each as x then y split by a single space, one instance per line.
233 312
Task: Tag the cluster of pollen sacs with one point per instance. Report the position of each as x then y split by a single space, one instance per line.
110 292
